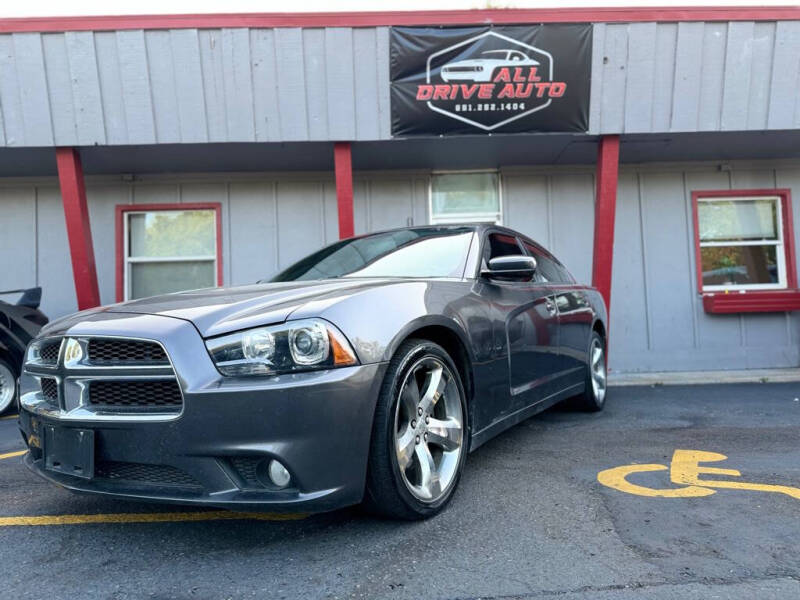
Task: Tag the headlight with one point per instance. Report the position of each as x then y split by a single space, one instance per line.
292 346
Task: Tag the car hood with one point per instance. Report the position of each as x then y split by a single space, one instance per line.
220 310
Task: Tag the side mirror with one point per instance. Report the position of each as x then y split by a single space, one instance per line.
516 266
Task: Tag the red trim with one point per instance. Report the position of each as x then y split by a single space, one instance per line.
121 209
758 301
785 196
604 215
384 18
79 231
343 162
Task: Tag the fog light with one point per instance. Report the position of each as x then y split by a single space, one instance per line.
278 474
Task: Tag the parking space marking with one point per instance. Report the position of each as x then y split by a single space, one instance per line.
12 454
685 471
174 517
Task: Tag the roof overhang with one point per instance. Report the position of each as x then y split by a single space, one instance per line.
386 18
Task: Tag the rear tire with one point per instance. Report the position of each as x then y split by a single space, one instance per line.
419 434
593 398
8 385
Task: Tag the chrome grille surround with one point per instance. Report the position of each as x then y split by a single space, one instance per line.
74 378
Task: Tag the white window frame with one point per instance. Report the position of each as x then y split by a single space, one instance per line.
129 260
474 217
780 248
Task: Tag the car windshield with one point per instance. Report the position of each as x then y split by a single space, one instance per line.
424 252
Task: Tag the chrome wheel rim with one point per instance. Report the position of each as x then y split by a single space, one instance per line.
597 368
6 387
428 429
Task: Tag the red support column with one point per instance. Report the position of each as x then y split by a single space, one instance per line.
604 212
343 164
79 233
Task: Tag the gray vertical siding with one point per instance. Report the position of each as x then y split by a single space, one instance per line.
657 318
332 84
557 210
194 86
695 76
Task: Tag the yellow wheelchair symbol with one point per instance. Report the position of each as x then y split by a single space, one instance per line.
685 471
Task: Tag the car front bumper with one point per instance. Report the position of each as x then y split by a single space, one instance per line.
216 451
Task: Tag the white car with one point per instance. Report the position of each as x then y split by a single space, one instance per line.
481 69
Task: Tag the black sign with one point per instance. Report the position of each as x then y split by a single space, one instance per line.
472 80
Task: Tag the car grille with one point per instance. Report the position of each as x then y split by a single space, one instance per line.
125 352
49 388
150 394
49 350
144 473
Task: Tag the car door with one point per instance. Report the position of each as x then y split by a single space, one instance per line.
574 316
526 326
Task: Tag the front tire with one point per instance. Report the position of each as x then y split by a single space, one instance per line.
419 435
8 385
593 398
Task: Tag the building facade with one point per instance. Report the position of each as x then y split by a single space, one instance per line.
147 154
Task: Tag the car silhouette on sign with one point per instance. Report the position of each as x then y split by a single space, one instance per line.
481 69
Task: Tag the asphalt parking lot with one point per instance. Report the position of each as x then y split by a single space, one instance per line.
530 519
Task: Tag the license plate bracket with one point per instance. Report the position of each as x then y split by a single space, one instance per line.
69 451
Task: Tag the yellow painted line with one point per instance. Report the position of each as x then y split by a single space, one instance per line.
9 417
12 454
174 517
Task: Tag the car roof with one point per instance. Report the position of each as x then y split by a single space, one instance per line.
479 227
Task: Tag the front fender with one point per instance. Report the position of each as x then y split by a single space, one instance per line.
377 320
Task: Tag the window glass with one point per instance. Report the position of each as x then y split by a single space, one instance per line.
499 244
172 233
169 251
424 252
739 265
546 268
726 220
460 197
741 243
151 279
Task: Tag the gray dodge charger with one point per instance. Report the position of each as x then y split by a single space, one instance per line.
363 373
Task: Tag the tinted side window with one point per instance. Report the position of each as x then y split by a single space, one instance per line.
566 276
548 269
499 244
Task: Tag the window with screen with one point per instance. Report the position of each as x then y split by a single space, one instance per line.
741 243
169 250
465 198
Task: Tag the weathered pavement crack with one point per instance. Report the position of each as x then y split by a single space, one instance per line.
633 586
